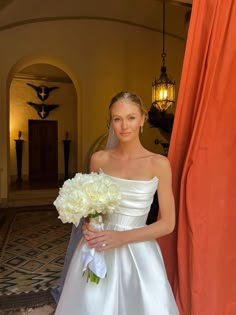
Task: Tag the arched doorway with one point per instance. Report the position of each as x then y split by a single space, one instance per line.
42 116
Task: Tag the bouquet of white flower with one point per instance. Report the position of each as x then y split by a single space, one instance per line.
88 195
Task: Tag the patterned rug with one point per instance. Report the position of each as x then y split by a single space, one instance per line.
34 242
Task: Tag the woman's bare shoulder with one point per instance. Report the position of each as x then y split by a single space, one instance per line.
101 155
98 159
160 163
159 158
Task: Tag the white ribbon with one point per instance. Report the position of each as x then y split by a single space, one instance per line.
92 259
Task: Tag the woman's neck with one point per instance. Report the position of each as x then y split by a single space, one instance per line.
128 150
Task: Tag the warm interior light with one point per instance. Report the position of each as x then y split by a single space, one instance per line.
163 93
163 89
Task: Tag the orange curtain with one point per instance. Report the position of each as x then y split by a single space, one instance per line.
201 255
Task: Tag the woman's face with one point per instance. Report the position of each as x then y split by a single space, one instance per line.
126 119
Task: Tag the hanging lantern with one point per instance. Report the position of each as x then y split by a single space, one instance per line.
163 89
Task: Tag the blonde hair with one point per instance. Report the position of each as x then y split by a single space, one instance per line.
131 97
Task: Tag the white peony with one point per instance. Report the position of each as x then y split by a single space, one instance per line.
85 195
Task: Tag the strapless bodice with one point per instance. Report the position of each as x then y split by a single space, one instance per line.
136 199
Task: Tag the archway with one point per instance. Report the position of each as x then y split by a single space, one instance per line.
25 78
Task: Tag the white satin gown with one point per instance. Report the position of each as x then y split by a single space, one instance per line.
136 281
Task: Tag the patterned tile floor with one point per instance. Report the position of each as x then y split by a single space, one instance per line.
33 252
43 310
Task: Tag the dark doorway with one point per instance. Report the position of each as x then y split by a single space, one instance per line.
43 150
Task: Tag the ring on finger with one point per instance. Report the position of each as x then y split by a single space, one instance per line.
104 244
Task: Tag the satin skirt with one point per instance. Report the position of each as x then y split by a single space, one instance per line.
136 282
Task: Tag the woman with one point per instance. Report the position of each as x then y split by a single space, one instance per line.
136 281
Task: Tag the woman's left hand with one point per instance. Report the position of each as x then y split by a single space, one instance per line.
102 240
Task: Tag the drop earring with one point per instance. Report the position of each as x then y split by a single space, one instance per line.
141 129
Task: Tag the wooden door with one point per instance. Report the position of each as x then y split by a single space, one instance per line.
43 150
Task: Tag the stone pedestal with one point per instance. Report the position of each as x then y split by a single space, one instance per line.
19 151
67 143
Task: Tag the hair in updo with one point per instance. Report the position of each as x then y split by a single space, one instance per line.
131 97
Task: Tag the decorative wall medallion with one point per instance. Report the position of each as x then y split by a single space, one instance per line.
42 109
43 91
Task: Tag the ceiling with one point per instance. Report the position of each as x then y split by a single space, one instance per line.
48 72
4 3
44 72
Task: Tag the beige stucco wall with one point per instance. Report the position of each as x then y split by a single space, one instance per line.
100 55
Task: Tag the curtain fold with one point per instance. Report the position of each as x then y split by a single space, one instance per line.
200 255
